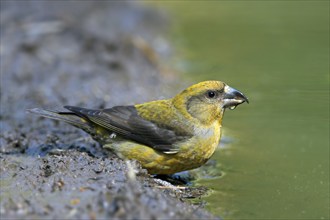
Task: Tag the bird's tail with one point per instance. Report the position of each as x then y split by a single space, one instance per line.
68 117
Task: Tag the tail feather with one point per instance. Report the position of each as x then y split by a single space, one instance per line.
68 117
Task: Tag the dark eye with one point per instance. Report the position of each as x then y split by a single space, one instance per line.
211 94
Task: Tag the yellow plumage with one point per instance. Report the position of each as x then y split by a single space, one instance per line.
165 136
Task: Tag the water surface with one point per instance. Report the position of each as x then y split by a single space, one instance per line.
277 53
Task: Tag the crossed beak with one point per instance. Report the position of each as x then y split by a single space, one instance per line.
232 98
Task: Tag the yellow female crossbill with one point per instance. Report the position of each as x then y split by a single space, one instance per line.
165 136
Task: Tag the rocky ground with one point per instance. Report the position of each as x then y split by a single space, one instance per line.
87 53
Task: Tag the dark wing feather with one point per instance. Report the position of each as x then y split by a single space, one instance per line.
125 121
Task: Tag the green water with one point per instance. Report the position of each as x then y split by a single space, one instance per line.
277 53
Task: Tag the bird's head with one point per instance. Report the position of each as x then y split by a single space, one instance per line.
206 101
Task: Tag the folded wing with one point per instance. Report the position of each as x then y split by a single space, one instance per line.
126 122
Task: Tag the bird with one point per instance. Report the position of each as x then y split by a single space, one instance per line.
165 136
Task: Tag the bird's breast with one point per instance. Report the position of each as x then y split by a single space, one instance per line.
202 145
